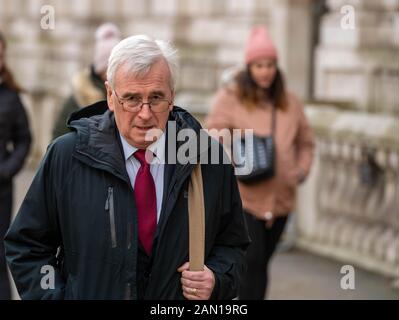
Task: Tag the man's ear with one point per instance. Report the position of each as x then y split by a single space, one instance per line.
110 101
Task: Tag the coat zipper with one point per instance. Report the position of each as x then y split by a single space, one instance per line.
109 206
127 292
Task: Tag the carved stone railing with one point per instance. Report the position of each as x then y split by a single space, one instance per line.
349 207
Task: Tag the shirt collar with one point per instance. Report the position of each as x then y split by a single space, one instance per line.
157 148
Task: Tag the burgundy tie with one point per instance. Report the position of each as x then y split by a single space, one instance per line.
146 202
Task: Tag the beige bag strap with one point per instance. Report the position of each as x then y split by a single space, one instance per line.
196 213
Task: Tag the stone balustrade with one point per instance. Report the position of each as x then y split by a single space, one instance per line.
349 207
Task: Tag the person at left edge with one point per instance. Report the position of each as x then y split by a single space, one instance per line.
15 141
82 213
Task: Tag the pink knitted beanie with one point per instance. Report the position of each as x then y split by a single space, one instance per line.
259 45
107 36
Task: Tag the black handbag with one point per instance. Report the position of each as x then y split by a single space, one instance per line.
259 155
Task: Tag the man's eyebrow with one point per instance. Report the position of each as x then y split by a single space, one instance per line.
130 94
157 93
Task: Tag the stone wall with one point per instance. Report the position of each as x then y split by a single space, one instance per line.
360 64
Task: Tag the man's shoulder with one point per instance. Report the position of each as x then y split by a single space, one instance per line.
58 156
64 144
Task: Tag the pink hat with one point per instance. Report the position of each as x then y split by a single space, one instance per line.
107 36
259 45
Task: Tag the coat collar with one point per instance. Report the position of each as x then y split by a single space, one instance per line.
157 148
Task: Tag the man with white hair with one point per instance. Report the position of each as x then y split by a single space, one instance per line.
111 224
88 83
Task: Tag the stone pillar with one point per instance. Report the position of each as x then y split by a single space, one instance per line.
291 29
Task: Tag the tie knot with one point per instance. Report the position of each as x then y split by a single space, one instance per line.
140 156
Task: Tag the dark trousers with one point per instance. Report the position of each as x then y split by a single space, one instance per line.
5 218
264 241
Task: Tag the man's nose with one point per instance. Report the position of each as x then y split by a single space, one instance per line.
145 112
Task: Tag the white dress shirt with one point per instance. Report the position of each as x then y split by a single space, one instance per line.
157 166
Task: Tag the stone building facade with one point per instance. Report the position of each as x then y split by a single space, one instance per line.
209 35
340 56
349 208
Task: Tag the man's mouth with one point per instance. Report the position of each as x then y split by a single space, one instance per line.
144 128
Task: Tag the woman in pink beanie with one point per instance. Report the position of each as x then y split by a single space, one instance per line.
254 99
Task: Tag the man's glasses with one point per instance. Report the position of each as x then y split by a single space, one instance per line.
135 104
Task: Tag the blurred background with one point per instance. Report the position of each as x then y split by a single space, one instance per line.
340 57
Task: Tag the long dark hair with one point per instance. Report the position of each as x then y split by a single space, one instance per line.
5 73
248 91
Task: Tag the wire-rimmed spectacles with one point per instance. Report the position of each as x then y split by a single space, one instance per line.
135 104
